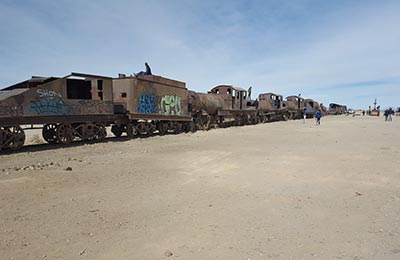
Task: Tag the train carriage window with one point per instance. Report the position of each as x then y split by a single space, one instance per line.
79 89
100 85
100 89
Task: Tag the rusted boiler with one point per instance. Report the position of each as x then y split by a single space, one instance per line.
311 107
75 106
204 107
151 103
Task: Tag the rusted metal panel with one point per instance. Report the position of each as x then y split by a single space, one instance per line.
234 97
337 109
295 103
59 97
152 97
270 101
5 94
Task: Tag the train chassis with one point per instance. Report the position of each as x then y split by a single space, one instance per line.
13 137
137 128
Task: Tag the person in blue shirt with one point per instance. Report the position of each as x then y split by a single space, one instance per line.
318 116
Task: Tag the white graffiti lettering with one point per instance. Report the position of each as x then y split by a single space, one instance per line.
48 93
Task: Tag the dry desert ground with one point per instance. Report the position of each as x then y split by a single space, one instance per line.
283 190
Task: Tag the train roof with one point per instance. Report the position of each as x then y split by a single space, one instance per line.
84 75
229 86
294 96
155 79
270 93
33 82
39 80
4 94
336 105
309 99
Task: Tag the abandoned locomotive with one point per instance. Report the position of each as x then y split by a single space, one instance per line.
81 106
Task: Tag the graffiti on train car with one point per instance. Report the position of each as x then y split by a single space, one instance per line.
11 110
48 93
171 105
147 104
87 107
57 106
47 106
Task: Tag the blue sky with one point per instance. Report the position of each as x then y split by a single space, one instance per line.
333 51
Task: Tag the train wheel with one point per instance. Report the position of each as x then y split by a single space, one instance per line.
49 133
65 133
178 128
144 128
101 132
198 123
191 127
13 137
286 117
19 138
2 133
131 130
89 131
162 128
117 130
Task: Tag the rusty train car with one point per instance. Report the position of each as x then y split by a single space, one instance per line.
295 105
337 109
226 105
150 103
77 105
81 106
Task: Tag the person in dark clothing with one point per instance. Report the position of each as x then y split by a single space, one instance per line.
390 114
147 72
256 103
318 116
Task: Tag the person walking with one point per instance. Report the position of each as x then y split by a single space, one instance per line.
318 116
390 114
386 114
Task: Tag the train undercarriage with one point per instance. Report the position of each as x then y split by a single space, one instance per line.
137 128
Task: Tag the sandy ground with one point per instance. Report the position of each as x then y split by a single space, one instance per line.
283 190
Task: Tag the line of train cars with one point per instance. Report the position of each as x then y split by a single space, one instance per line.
81 106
